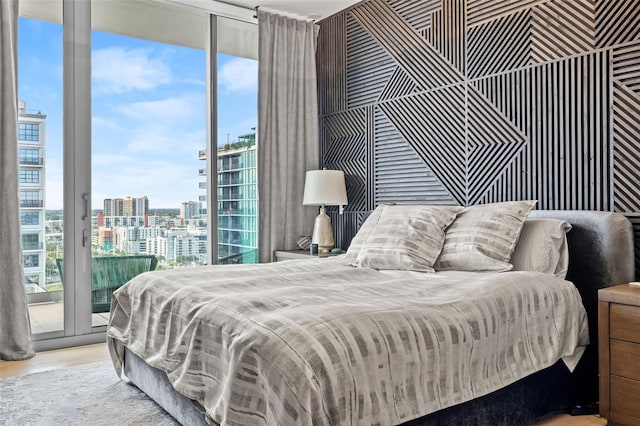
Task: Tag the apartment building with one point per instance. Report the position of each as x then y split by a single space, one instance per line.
237 201
31 169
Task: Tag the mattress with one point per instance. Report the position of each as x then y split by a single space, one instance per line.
320 342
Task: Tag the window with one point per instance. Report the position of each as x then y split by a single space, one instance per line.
29 132
29 218
30 156
30 241
31 260
29 176
30 199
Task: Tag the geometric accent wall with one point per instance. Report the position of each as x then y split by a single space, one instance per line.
476 101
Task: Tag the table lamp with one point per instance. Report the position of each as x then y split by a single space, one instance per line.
324 188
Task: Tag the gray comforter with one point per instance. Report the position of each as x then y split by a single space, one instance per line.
318 342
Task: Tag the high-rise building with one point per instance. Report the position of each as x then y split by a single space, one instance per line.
141 206
237 201
190 209
31 168
112 207
128 206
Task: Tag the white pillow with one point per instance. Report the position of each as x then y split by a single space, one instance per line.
406 238
483 237
542 247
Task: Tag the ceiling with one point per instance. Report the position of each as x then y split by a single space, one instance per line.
309 9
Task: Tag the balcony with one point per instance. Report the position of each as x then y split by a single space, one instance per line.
202 172
202 154
30 161
32 246
202 185
202 198
31 203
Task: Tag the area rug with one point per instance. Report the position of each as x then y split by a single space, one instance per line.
89 394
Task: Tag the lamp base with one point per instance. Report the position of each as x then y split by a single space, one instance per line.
322 233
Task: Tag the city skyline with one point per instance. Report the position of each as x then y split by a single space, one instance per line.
148 111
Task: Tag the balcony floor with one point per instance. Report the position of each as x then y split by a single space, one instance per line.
46 317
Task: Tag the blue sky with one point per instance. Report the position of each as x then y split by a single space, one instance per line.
148 112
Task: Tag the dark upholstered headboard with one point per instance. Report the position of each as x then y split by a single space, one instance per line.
600 255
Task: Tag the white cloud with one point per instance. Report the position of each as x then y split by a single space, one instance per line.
105 123
164 182
117 70
239 75
165 109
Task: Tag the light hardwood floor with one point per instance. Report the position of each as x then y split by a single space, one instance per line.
92 353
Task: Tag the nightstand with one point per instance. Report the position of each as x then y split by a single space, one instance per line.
279 255
619 351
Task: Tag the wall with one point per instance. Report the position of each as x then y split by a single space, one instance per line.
476 101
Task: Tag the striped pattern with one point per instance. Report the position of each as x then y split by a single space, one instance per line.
564 73
400 175
482 11
399 84
508 53
617 21
566 162
416 13
483 238
412 53
332 70
626 66
364 82
406 238
562 28
347 133
493 141
626 154
447 32
316 342
438 135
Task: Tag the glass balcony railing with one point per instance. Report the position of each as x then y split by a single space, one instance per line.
32 246
31 161
31 203
202 154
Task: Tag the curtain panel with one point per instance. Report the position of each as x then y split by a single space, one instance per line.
15 328
287 129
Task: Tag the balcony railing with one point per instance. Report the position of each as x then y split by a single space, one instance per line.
32 246
31 203
30 161
202 172
202 154
202 185
202 198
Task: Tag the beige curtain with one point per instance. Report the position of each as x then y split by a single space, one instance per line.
287 129
15 329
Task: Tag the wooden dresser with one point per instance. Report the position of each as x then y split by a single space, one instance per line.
619 350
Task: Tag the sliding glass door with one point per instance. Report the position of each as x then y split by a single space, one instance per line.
40 170
148 124
116 120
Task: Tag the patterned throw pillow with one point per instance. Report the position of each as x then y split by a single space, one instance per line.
366 229
483 237
406 238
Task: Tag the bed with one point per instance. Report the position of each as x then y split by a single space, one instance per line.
374 364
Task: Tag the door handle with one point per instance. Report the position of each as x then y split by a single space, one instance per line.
85 197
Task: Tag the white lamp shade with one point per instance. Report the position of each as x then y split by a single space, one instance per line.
325 188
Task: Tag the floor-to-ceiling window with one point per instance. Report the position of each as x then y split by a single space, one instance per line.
40 168
237 178
110 165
